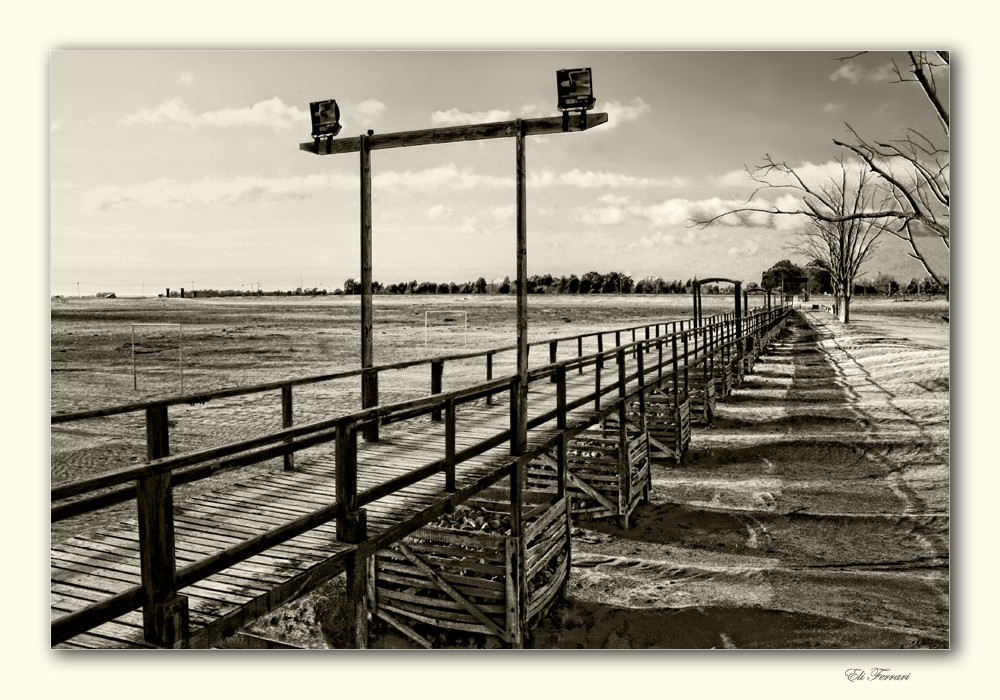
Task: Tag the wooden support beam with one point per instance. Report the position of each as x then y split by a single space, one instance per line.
165 619
437 381
521 435
286 422
449 446
369 380
453 134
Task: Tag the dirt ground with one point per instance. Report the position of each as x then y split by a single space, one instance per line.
813 514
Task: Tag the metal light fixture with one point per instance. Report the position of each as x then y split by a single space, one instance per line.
575 89
325 117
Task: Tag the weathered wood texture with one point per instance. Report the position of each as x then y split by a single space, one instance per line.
462 579
669 425
454 134
607 474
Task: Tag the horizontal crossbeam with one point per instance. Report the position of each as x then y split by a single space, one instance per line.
455 134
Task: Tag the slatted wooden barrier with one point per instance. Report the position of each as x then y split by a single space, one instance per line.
468 580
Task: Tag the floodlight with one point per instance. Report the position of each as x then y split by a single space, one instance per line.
325 118
575 89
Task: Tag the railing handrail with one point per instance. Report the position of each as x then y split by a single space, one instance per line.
206 396
351 501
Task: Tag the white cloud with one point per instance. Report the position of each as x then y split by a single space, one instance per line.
434 178
683 212
186 77
439 211
855 73
56 125
612 199
603 216
590 179
166 192
749 248
619 113
830 107
505 213
469 225
371 109
456 117
272 113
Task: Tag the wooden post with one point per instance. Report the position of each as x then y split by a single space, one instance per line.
597 383
489 375
624 475
286 422
635 348
561 466
437 374
514 417
673 343
739 322
369 380
687 363
521 439
579 353
618 338
449 446
357 596
620 358
346 481
552 356
560 377
518 605
165 620
694 297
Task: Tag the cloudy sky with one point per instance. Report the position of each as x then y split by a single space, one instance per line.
182 168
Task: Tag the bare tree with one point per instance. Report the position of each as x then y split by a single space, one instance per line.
842 246
913 173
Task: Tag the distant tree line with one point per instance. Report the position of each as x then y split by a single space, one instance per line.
819 281
208 293
589 283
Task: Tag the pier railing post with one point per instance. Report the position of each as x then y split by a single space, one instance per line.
437 372
517 594
552 356
489 375
369 399
560 378
449 445
286 422
579 353
165 619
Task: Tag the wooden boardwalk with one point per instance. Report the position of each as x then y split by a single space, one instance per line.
92 566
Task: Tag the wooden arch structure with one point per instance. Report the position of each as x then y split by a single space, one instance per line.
741 309
517 129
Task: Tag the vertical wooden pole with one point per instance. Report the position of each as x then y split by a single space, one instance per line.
694 297
518 559
286 422
449 445
553 351
489 375
620 357
521 439
437 374
579 353
560 377
739 322
165 619
673 343
624 475
369 380
687 363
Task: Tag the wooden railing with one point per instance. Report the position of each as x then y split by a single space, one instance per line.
165 618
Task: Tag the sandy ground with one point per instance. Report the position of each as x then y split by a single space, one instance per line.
813 514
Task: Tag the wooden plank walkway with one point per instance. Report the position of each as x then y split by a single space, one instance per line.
95 565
